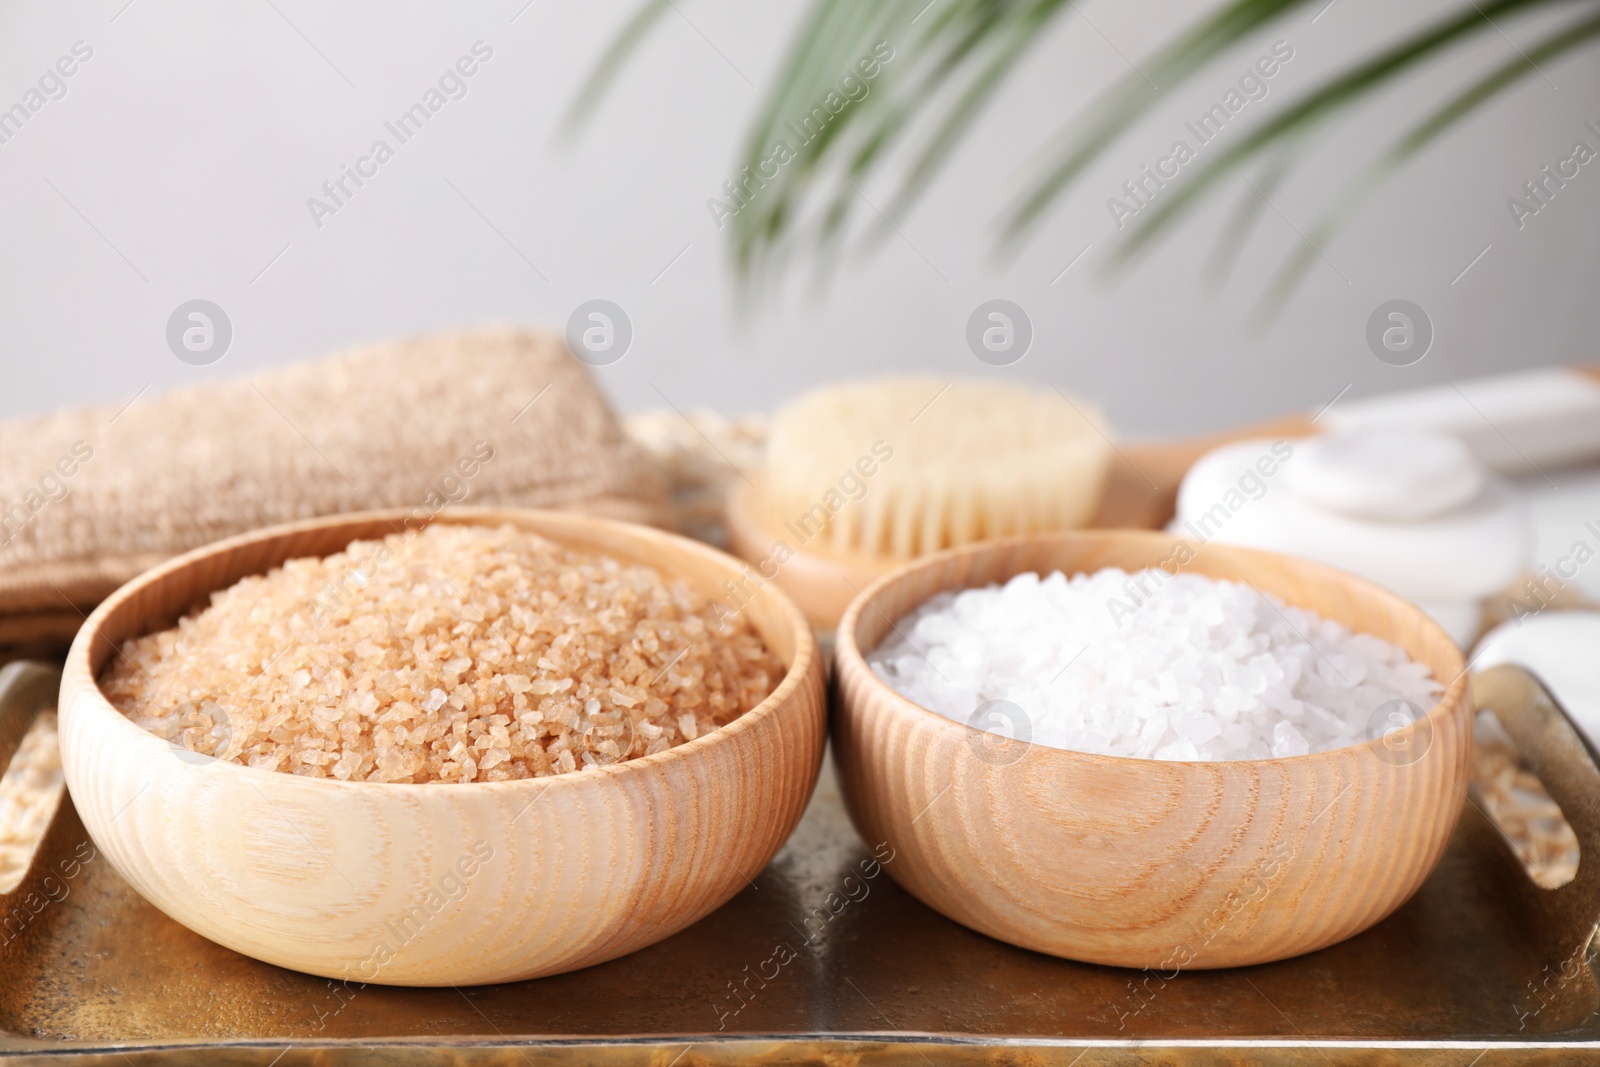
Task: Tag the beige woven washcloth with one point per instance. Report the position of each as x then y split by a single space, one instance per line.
91 497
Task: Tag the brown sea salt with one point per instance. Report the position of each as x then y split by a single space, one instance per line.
454 654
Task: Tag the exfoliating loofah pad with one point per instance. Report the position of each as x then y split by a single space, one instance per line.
905 466
91 497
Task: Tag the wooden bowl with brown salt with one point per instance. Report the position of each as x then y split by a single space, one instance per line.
437 883
1157 864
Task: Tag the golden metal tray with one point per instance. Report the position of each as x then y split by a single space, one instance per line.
823 959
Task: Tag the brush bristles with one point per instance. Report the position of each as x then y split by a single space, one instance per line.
903 467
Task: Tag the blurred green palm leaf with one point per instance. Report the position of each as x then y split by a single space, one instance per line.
949 57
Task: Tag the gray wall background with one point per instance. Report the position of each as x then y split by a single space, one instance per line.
179 161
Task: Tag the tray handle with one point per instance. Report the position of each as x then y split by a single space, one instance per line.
1569 767
27 687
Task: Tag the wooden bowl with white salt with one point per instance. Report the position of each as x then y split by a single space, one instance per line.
437 883
1150 863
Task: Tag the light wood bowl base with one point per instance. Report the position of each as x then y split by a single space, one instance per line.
439 884
1147 863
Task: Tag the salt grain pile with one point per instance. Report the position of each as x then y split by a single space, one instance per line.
1203 670
457 654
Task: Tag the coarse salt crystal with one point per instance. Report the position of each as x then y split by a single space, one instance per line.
419 674
1148 665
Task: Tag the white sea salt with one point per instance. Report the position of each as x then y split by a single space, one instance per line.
1185 668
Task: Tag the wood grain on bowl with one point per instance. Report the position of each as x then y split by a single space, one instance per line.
1148 863
440 884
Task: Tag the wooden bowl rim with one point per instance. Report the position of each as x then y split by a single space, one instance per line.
849 659
77 668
